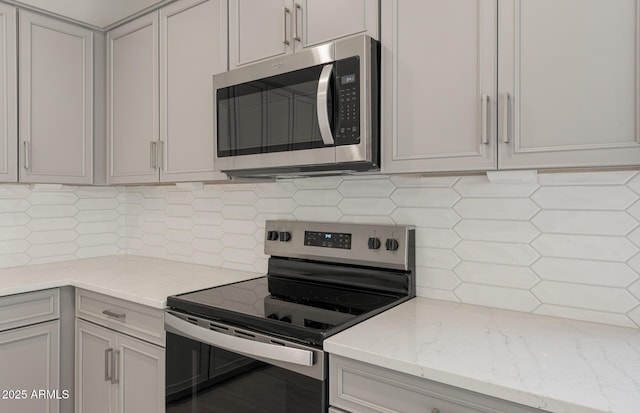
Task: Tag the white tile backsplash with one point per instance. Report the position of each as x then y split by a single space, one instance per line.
568 245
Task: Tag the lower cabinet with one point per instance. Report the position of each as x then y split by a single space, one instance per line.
30 353
363 388
115 371
29 369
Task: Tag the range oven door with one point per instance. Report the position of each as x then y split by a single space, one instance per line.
206 372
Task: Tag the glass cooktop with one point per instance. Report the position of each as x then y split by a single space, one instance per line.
299 309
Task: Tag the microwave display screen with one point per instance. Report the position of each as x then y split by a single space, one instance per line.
346 79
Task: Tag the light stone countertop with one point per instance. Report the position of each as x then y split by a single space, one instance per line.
554 364
138 279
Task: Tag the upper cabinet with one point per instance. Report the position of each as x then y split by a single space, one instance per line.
133 103
439 68
193 47
160 109
56 101
564 95
569 83
262 29
8 95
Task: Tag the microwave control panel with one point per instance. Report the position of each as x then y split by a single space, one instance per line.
347 116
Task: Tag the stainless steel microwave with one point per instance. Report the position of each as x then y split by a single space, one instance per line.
313 112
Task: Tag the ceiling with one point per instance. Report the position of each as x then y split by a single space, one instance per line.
100 13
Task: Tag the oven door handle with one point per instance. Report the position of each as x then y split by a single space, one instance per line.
321 105
236 344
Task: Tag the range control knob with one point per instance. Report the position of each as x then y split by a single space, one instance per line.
285 236
272 235
392 244
374 243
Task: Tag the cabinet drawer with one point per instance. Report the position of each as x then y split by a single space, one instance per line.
29 308
362 388
124 316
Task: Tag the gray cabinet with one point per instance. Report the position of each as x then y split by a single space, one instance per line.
133 102
507 85
8 95
120 356
56 101
359 387
193 47
439 73
160 111
262 29
117 373
30 351
566 83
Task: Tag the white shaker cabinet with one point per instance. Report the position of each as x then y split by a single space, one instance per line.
263 29
566 93
160 110
439 68
8 95
569 83
95 391
56 101
133 128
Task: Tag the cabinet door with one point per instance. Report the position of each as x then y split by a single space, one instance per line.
29 360
141 375
56 101
95 347
193 47
258 29
438 85
8 95
133 107
321 21
571 72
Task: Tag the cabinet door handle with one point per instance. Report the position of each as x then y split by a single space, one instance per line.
113 314
435 410
484 132
507 113
108 357
27 155
153 154
296 35
115 362
285 40
161 155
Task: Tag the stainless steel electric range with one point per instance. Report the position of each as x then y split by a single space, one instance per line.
256 345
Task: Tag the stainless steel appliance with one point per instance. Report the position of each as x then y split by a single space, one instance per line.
313 111
257 345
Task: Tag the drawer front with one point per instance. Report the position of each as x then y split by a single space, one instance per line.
362 388
134 319
29 308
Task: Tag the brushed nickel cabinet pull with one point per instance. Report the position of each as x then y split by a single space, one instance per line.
296 35
113 314
114 367
286 38
506 117
108 357
484 133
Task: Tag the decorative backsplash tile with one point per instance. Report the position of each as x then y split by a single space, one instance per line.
568 245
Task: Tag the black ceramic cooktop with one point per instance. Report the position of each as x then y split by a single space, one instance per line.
295 309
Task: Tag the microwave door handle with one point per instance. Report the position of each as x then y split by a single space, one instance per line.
236 344
321 105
